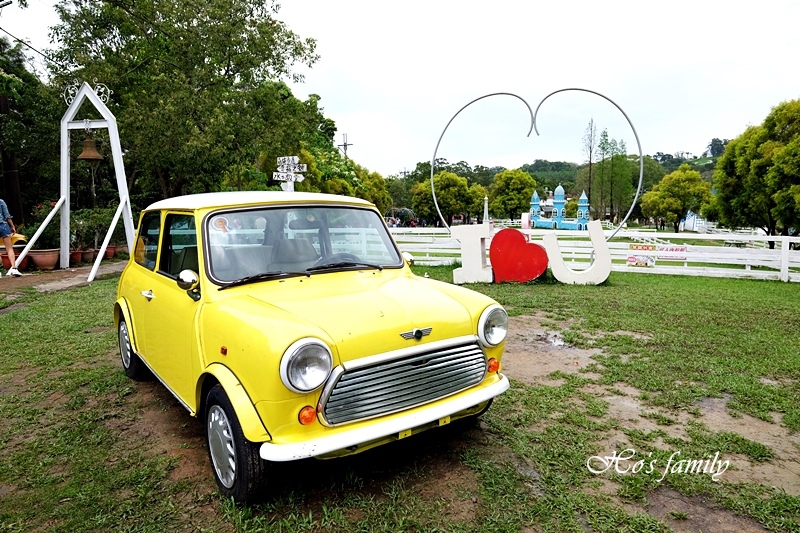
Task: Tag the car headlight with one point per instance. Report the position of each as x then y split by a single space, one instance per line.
493 325
306 365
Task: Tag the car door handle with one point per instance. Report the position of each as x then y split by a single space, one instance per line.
148 294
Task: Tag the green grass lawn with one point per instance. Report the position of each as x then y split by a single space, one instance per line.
71 461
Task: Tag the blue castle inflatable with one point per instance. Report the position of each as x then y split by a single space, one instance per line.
558 214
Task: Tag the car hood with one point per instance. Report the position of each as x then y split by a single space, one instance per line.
365 312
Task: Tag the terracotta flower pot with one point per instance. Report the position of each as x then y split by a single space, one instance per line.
86 256
21 265
44 259
110 251
75 256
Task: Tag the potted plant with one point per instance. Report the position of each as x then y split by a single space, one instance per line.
119 238
99 220
21 265
80 229
46 250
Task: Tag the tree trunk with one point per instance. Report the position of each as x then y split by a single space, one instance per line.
131 181
177 187
611 191
163 182
772 231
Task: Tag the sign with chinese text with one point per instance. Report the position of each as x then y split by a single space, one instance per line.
288 167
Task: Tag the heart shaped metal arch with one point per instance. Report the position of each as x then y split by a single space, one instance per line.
533 127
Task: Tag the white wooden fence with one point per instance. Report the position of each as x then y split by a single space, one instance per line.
729 255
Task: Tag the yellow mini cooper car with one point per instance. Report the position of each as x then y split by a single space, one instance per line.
294 327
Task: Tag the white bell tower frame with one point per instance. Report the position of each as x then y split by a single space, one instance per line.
68 122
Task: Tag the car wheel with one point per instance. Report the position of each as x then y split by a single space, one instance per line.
238 468
131 364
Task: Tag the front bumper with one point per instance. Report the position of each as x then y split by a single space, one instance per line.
271 451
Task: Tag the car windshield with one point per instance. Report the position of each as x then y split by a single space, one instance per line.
245 244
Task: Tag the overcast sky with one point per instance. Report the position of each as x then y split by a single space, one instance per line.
392 74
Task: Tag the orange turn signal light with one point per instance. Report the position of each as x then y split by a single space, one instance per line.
493 365
307 415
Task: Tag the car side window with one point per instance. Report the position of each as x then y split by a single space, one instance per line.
178 245
146 248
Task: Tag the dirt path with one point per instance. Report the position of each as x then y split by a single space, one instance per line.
59 279
534 351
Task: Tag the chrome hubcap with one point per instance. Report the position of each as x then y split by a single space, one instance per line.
124 344
221 446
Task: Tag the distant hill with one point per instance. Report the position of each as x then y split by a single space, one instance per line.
549 174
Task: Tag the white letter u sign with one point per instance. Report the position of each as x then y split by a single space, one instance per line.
599 270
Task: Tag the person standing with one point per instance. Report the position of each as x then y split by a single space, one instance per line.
7 229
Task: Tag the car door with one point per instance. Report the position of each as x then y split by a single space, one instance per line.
169 310
137 282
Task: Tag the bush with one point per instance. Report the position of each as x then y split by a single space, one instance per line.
50 237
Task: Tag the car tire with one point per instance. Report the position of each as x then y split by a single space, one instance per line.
133 366
238 468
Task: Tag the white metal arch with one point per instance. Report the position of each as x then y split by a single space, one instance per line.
68 122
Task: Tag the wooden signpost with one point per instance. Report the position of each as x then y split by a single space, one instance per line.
287 171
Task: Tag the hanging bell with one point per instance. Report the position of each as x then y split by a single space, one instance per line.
90 152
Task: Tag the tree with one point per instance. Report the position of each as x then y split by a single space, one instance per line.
571 208
195 94
784 178
757 178
371 186
589 147
544 167
485 175
477 194
716 147
29 127
400 191
603 151
329 172
678 193
651 175
670 162
452 195
612 176
511 192
422 171
621 189
549 174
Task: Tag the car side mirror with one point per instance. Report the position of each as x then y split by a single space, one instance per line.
408 258
188 281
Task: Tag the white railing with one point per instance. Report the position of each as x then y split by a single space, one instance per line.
731 255
650 239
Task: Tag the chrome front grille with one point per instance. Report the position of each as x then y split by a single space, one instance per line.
401 383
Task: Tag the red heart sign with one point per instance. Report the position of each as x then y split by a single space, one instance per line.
515 259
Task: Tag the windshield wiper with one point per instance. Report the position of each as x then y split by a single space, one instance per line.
344 264
262 277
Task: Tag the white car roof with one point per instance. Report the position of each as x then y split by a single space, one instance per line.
237 198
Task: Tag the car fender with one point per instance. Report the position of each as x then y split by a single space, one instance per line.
121 311
252 426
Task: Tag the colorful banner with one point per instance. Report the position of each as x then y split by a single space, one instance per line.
645 255
671 248
642 259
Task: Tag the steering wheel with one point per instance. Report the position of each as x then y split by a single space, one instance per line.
338 258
